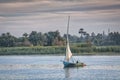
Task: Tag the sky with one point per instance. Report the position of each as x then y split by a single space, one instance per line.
20 16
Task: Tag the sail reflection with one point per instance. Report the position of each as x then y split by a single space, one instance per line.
67 72
71 72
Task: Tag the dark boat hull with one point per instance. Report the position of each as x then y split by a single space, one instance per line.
69 64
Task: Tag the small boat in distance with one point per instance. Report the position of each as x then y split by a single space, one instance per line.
68 61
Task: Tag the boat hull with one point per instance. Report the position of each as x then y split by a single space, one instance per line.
69 64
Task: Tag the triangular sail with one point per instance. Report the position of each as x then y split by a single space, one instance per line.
68 51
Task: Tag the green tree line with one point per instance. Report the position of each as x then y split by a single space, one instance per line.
53 38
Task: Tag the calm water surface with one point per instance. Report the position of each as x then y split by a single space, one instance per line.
51 68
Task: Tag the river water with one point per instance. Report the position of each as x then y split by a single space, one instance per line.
51 68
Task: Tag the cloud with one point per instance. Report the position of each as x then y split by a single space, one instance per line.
44 15
14 1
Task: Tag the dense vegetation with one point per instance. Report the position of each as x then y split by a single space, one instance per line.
60 50
53 38
33 39
53 43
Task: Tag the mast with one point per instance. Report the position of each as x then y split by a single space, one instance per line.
68 51
68 29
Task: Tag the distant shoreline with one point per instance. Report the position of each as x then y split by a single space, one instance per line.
62 55
60 50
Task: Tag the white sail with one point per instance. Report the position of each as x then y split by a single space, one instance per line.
68 51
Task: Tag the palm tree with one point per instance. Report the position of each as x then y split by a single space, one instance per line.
82 32
3 34
25 35
8 34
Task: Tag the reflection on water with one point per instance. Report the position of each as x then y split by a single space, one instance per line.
71 71
50 68
67 72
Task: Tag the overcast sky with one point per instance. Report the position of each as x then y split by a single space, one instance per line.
19 16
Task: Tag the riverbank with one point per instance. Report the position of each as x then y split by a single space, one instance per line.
60 50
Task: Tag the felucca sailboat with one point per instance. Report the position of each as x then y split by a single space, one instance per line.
68 61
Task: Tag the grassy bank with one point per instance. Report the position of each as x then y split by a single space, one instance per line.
60 50
31 50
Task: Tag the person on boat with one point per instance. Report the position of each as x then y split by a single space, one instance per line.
76 61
